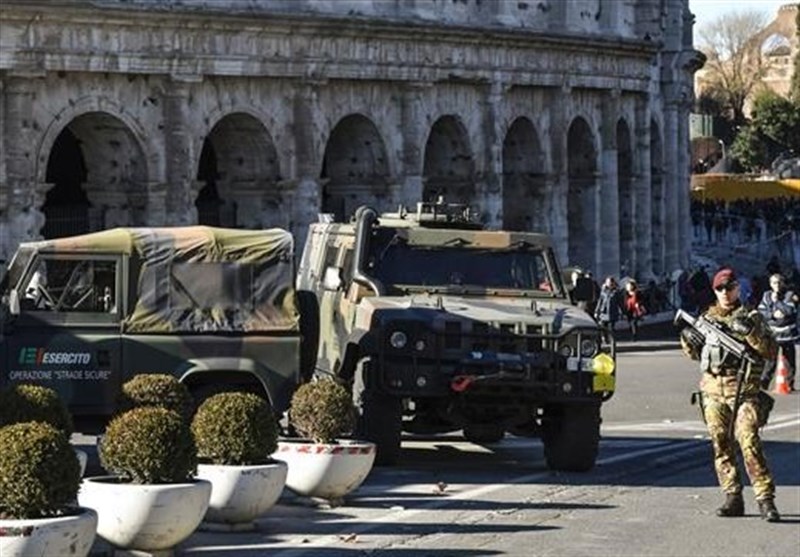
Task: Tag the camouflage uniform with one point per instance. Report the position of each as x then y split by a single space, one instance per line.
718 385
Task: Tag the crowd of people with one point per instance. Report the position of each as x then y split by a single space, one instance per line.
744 221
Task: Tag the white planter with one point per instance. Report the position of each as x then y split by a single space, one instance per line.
327 471
64 535
239 494
145 517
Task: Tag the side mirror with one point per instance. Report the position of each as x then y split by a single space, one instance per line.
583 291
13 302
332 279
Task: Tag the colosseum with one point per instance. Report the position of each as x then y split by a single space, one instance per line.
563 116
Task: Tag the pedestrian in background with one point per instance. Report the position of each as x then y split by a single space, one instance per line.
779 307
609 307
634 307
719 387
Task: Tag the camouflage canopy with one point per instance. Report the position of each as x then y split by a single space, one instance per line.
198 278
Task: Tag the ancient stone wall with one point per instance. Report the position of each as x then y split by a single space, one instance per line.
568 117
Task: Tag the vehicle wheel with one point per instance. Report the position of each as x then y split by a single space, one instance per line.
483 434
571 437
309 329
379 417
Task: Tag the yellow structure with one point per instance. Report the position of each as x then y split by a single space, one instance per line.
730 187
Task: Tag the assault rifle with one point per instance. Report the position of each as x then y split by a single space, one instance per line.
706 331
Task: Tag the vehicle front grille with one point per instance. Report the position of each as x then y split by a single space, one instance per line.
478 336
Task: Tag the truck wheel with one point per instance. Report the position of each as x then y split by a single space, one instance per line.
571 437
483 434
379 418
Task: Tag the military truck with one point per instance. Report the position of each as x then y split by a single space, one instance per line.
214 307
439 325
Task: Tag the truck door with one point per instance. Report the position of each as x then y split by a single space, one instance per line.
67 333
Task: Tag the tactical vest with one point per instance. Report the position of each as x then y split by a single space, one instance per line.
718 361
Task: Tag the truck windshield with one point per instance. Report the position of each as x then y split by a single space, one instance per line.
401 264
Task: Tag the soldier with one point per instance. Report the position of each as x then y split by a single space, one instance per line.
718 386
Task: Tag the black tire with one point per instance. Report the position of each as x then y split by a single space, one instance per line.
572 437
484 434
308 307
380 416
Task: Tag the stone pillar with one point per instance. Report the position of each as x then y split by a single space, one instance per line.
610 17
307 197
607 254
558 15
492 186
642 256
21 196
412 119
148 204
558 184
180 157
110 208
672 188
684 180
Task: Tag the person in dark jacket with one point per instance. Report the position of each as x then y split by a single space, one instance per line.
779 307
609 307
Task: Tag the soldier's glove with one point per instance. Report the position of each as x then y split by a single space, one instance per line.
742 325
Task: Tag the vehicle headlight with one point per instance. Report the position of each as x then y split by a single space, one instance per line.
589 347
398 340
565 350
419 346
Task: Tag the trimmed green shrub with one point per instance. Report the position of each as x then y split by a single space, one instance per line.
34 403
322 411
236 429
39 471
156 389
149 445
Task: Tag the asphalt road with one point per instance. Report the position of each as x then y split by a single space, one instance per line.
652 492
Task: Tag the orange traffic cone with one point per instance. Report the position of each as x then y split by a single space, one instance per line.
782 376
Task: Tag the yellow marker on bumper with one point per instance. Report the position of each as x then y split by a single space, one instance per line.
603 367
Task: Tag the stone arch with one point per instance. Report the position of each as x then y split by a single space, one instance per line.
449 165
657 201
524 195
626 197
355 169
97 175
582 193
238 174
776 44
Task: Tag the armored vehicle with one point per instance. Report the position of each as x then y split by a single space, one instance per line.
214 307
439 325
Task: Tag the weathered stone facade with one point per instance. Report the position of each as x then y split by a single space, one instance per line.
566 116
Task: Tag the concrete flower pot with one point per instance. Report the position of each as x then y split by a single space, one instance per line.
142 516
327 471
240 494
72 534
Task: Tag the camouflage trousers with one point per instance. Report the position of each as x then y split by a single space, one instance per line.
718 413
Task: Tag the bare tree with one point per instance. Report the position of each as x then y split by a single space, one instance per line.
735 63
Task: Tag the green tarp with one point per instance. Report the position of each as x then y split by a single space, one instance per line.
198 278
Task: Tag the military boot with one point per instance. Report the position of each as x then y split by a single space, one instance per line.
733 505
768 511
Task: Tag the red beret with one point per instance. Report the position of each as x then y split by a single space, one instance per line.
724 276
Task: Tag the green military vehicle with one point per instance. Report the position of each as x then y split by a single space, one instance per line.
214 307
439 325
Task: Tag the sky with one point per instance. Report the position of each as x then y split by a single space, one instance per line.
706 11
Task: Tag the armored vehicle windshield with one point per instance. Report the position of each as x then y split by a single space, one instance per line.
430 260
